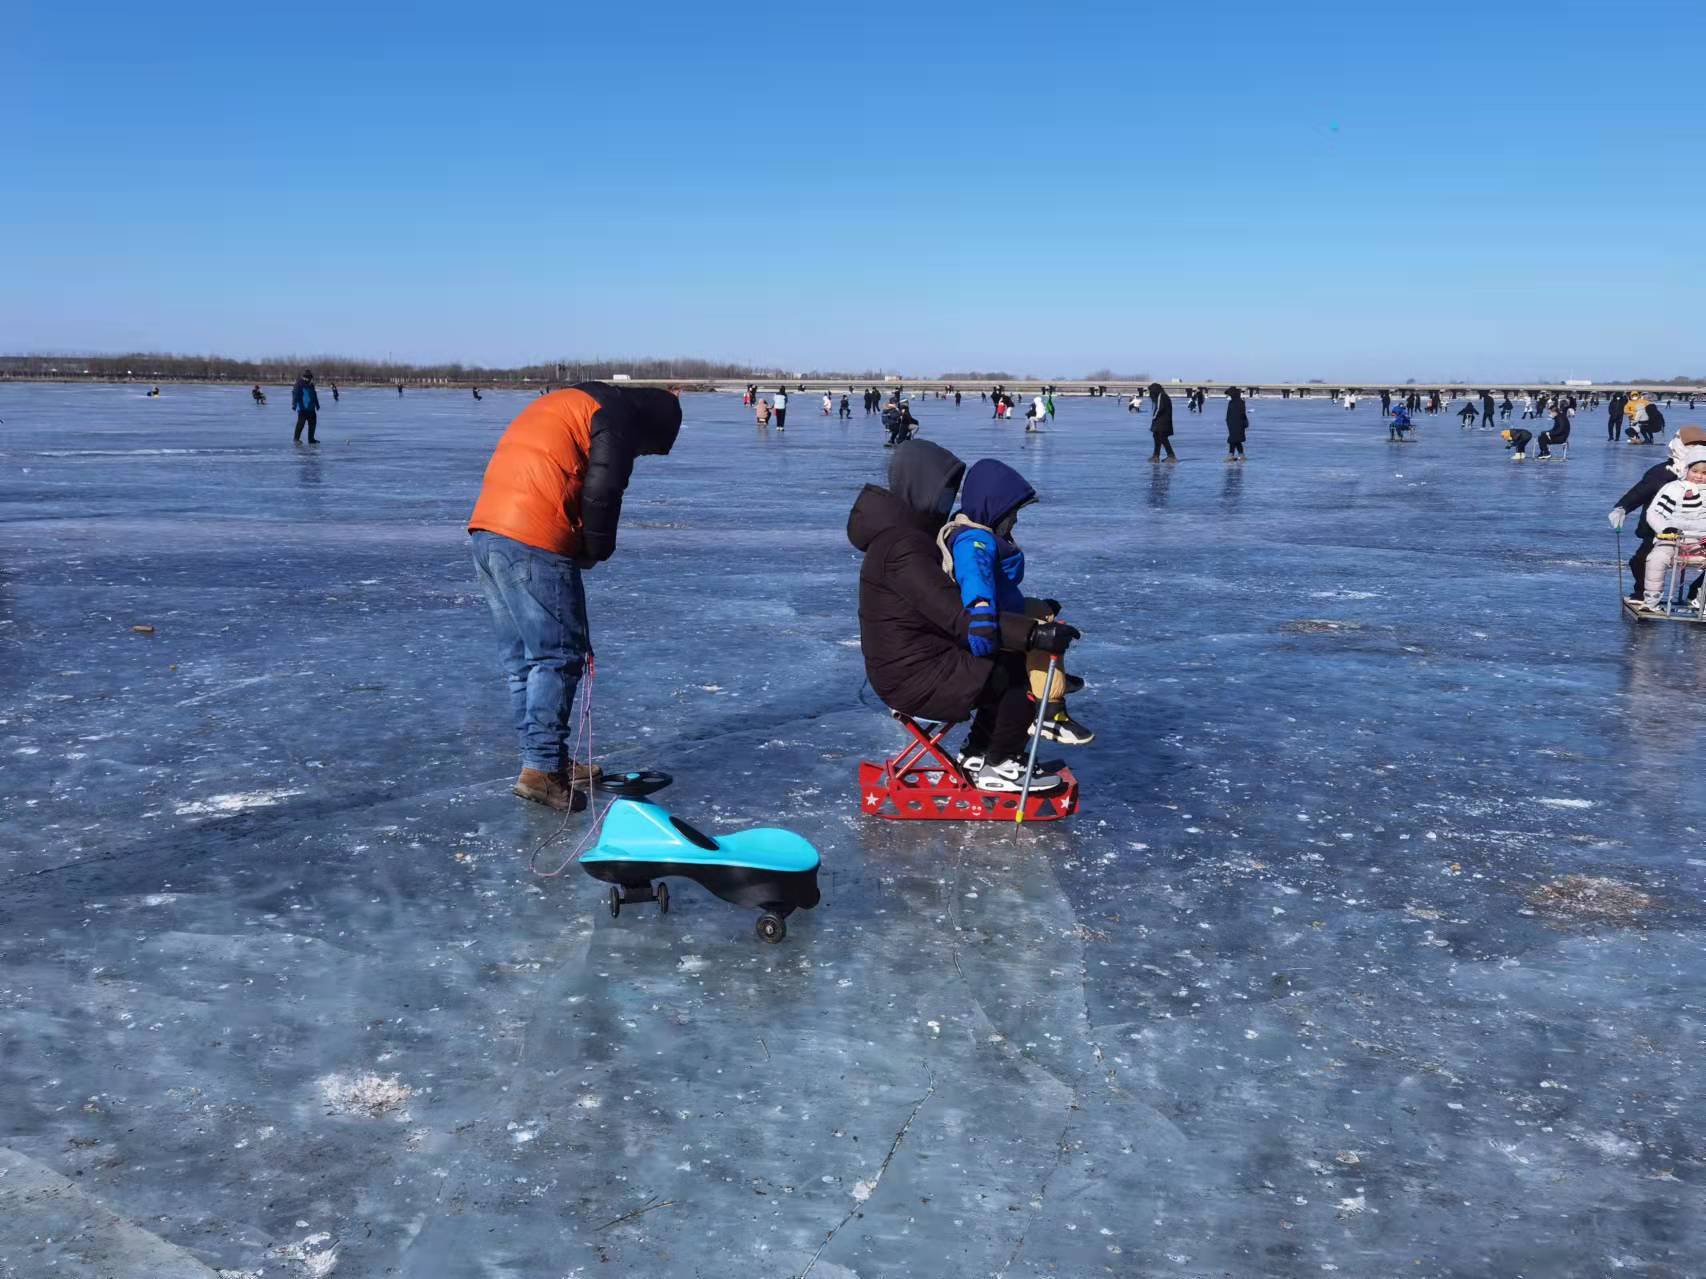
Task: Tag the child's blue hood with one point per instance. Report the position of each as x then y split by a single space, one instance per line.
992 491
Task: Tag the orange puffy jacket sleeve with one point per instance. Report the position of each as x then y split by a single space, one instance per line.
532 489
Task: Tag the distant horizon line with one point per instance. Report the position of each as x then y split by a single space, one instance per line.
181 367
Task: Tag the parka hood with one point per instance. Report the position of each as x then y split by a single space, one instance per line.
919 473
992 491
655 418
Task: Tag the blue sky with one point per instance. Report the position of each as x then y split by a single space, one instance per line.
1209 190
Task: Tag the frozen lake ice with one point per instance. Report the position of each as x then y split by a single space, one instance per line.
1376 946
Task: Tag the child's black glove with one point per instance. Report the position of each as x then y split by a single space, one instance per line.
1053 637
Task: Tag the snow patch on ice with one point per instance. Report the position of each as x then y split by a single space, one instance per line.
369 1095
1567 803
316 1262
1608 1144
692 964
238 802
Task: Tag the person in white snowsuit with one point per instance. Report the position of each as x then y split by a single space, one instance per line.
1036 414
1677 514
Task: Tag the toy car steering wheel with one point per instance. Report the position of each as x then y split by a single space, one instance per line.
634 785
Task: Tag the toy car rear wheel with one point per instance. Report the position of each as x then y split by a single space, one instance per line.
615 902
770 928
662 891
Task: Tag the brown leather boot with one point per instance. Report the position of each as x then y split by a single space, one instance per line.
550 789
580 773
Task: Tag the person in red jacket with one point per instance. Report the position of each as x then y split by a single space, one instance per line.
547 512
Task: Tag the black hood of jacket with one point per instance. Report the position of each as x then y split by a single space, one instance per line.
919 473
647 419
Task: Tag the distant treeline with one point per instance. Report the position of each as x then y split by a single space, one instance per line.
159 366
146 365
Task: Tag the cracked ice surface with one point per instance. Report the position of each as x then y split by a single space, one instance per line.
1376 946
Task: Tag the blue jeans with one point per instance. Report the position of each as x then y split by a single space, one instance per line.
539 606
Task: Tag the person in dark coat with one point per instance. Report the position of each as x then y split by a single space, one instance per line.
1559 434
1161 422
915 631
306 401
1237 424
1651 423
1487 409
1614 416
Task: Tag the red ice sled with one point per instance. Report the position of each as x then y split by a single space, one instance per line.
923 783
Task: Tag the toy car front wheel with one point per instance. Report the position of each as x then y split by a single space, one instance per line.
615 902
663 898
770 928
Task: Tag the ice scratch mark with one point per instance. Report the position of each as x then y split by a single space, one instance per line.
871 1186
1063 1148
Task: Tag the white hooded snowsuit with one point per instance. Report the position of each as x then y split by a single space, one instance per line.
1678 508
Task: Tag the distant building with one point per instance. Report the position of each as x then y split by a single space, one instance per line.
1578 381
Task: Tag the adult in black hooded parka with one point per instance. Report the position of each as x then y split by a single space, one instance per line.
1161 422
914 629
1237 424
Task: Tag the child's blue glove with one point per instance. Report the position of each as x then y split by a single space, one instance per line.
981 633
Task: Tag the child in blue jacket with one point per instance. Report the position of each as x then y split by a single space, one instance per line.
979 553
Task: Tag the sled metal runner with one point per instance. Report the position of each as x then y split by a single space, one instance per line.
923 782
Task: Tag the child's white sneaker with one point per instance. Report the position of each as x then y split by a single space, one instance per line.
1008 776
1061 727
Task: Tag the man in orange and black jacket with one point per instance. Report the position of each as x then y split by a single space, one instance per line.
547 512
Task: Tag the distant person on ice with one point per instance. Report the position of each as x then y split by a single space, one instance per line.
1613 416
1516 439
1559 434
916 633
1161 422
306 402
547 512
1466 415
1400 423
1237 424
779 407
257 395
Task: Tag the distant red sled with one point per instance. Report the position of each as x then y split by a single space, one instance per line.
923 783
